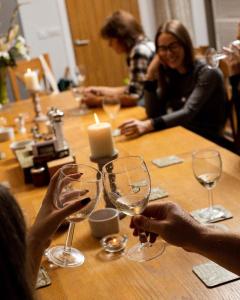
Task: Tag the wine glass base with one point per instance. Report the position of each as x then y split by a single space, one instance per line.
211 213
146 251
66 260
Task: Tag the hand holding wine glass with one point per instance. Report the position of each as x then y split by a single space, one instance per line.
213 56
207 169
75 182
127 184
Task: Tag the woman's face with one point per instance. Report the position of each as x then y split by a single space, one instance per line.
171 52
116 45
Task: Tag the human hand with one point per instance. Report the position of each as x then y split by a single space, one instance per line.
134 128
91 99
233 58
49 217
171 222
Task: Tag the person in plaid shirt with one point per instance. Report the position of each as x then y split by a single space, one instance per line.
126 36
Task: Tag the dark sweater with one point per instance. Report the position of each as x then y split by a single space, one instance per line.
197 101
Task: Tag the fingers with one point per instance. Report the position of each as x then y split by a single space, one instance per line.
127 122
71 196
72 208
148 225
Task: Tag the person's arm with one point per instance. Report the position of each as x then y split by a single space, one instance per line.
206 83
46 223
93 96
177 227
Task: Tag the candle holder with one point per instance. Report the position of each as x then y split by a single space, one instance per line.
101 161
39 116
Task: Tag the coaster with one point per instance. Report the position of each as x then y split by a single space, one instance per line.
157 193
226 215
167 161
211 274
43 278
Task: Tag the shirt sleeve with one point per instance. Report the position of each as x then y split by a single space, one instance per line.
207 82
138 64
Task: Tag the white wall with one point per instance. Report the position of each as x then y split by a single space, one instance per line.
46 29
199 23
147 16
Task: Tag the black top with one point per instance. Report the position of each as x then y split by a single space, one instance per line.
195 100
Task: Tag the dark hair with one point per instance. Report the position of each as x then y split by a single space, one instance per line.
14 280
122 26
179 31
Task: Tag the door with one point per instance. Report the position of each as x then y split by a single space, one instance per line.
103 65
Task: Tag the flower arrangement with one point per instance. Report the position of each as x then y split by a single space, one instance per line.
12 48
12 45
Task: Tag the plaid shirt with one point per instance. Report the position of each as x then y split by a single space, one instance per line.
138 61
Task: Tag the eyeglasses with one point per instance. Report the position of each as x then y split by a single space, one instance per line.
172 47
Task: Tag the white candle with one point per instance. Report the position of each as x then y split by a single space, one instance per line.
31 80
100 139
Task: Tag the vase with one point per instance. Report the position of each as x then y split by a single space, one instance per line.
3 86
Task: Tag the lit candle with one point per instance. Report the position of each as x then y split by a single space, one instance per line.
100 139
31 80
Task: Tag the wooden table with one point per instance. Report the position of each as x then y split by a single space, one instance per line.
102 277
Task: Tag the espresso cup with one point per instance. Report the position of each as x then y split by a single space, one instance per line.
104 222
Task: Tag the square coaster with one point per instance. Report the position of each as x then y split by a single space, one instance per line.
157 193
43 278
211 274
167 161
226 215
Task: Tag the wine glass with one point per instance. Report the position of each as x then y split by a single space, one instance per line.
207 169
75 182
111 106
127 183
78 89
213 56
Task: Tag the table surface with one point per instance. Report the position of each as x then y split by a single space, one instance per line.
102 276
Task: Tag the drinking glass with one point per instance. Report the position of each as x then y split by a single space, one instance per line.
127 184
111 106
78 90
207 169
75 182
213 56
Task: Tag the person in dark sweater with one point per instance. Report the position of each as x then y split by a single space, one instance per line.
179 89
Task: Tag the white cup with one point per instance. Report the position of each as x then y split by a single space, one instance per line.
104 222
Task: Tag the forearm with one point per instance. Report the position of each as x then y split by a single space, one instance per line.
128 100
220 247
35 250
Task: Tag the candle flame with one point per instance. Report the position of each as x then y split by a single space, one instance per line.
96 118
29 70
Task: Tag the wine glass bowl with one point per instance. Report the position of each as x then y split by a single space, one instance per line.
127 183
111 106
207 169
78 90
75 182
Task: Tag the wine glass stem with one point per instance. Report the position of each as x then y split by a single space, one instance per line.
68 244
210 198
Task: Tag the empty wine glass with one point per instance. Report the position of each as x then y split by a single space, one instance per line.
127 184
78 90
111 106
213 56
207 169
75 182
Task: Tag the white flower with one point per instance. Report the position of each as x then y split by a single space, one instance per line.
4 55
